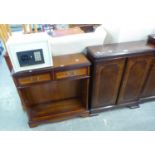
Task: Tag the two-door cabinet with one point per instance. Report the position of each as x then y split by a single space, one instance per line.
121 74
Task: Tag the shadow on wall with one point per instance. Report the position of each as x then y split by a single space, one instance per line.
128 32
112 35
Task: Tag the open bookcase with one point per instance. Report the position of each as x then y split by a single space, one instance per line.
55 93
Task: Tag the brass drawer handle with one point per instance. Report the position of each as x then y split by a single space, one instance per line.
35 78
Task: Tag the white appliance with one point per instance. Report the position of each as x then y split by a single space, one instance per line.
29 51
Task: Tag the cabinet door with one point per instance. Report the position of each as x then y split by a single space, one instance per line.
106 82
135 74
149 88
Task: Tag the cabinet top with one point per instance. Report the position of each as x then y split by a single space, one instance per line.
120 49
70 60
62 62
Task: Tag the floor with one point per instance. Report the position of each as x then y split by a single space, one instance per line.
12 116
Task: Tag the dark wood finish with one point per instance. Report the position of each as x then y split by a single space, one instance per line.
121 84
107 78
8 61
149 87
135 74
117 50
95 111
41 110
55 93
151 39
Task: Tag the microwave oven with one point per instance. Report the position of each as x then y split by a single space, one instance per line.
29 51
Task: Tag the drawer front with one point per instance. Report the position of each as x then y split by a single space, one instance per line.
71 73
34 79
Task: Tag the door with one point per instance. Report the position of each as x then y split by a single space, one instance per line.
149 88
135 74
106 82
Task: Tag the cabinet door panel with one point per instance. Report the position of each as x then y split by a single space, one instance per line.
107 78
135 74
149 88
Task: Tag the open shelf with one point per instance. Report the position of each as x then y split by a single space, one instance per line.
57 108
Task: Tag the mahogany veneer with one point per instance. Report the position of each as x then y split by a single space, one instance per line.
122 74
55 93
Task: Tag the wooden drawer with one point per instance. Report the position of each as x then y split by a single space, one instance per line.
71 73
34 79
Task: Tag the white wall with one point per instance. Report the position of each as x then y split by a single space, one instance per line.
122 32
127 20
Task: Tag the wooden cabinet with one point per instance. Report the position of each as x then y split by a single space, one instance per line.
121 74
107 78
134 77
56 93
149 87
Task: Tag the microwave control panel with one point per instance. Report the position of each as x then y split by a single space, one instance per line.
30 57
